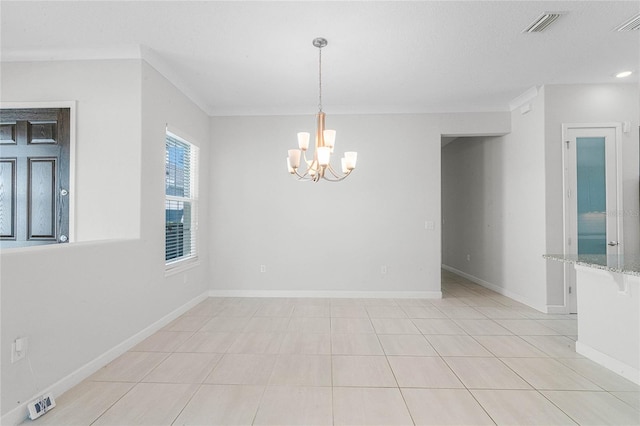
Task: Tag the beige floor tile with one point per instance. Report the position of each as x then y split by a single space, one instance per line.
630 398
257 343
344 301
312 311
554 346
284 405
520 407
349 312
406 344
238 311
422 312
129 367
394 326
309 325
84 403
163 341
187 323
369 406
367 371
444 407
549 374
152 404
526 327
306 343
275 310
225 325
207 308
447 301
605 378
457 346
386 312
485 373
423 372
243 369
480 301
267 325
222 405
355 344
564 327
594 408
438 326
465 312
351 325
509 347
500 312
208 342
479 327
183 368
410 302
301 370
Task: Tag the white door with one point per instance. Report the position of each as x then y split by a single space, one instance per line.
593 196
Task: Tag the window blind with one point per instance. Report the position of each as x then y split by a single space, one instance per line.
181 199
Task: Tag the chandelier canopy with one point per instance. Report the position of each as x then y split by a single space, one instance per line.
319 167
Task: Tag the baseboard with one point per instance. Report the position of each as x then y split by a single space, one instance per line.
557 309
609 363
329 293
511 295
20 413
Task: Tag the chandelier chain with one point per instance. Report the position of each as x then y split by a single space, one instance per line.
320 79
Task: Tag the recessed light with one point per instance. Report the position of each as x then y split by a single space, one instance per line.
624 74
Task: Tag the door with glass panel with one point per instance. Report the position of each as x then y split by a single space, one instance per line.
592 197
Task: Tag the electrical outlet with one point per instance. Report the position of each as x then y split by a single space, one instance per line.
468 258
429 225
383 269
263 268
19 349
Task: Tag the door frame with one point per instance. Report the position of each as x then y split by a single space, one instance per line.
72 105
570 301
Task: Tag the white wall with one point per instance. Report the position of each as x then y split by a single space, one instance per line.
76 302
325 236
493 208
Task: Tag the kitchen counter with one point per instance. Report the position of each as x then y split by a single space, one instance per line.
628 265
608 301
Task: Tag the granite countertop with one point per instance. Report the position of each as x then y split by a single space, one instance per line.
629 264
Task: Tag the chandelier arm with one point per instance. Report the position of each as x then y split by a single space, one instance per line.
338 178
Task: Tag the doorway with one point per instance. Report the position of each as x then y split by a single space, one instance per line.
592 196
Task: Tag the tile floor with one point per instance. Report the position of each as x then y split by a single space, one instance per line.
472 358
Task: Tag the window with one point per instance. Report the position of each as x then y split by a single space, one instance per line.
181 200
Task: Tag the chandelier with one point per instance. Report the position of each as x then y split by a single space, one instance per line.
319 167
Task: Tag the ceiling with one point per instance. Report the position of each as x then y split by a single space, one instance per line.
256 58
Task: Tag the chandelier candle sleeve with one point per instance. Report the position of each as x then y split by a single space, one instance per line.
318 166
294 158
350 160
329 138
303 140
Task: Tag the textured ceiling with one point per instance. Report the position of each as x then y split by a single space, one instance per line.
256 57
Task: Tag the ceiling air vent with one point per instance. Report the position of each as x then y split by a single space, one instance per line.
542 22
632 24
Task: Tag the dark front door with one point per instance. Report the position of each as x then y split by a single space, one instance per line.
34 177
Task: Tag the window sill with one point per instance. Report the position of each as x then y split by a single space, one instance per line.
181 266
